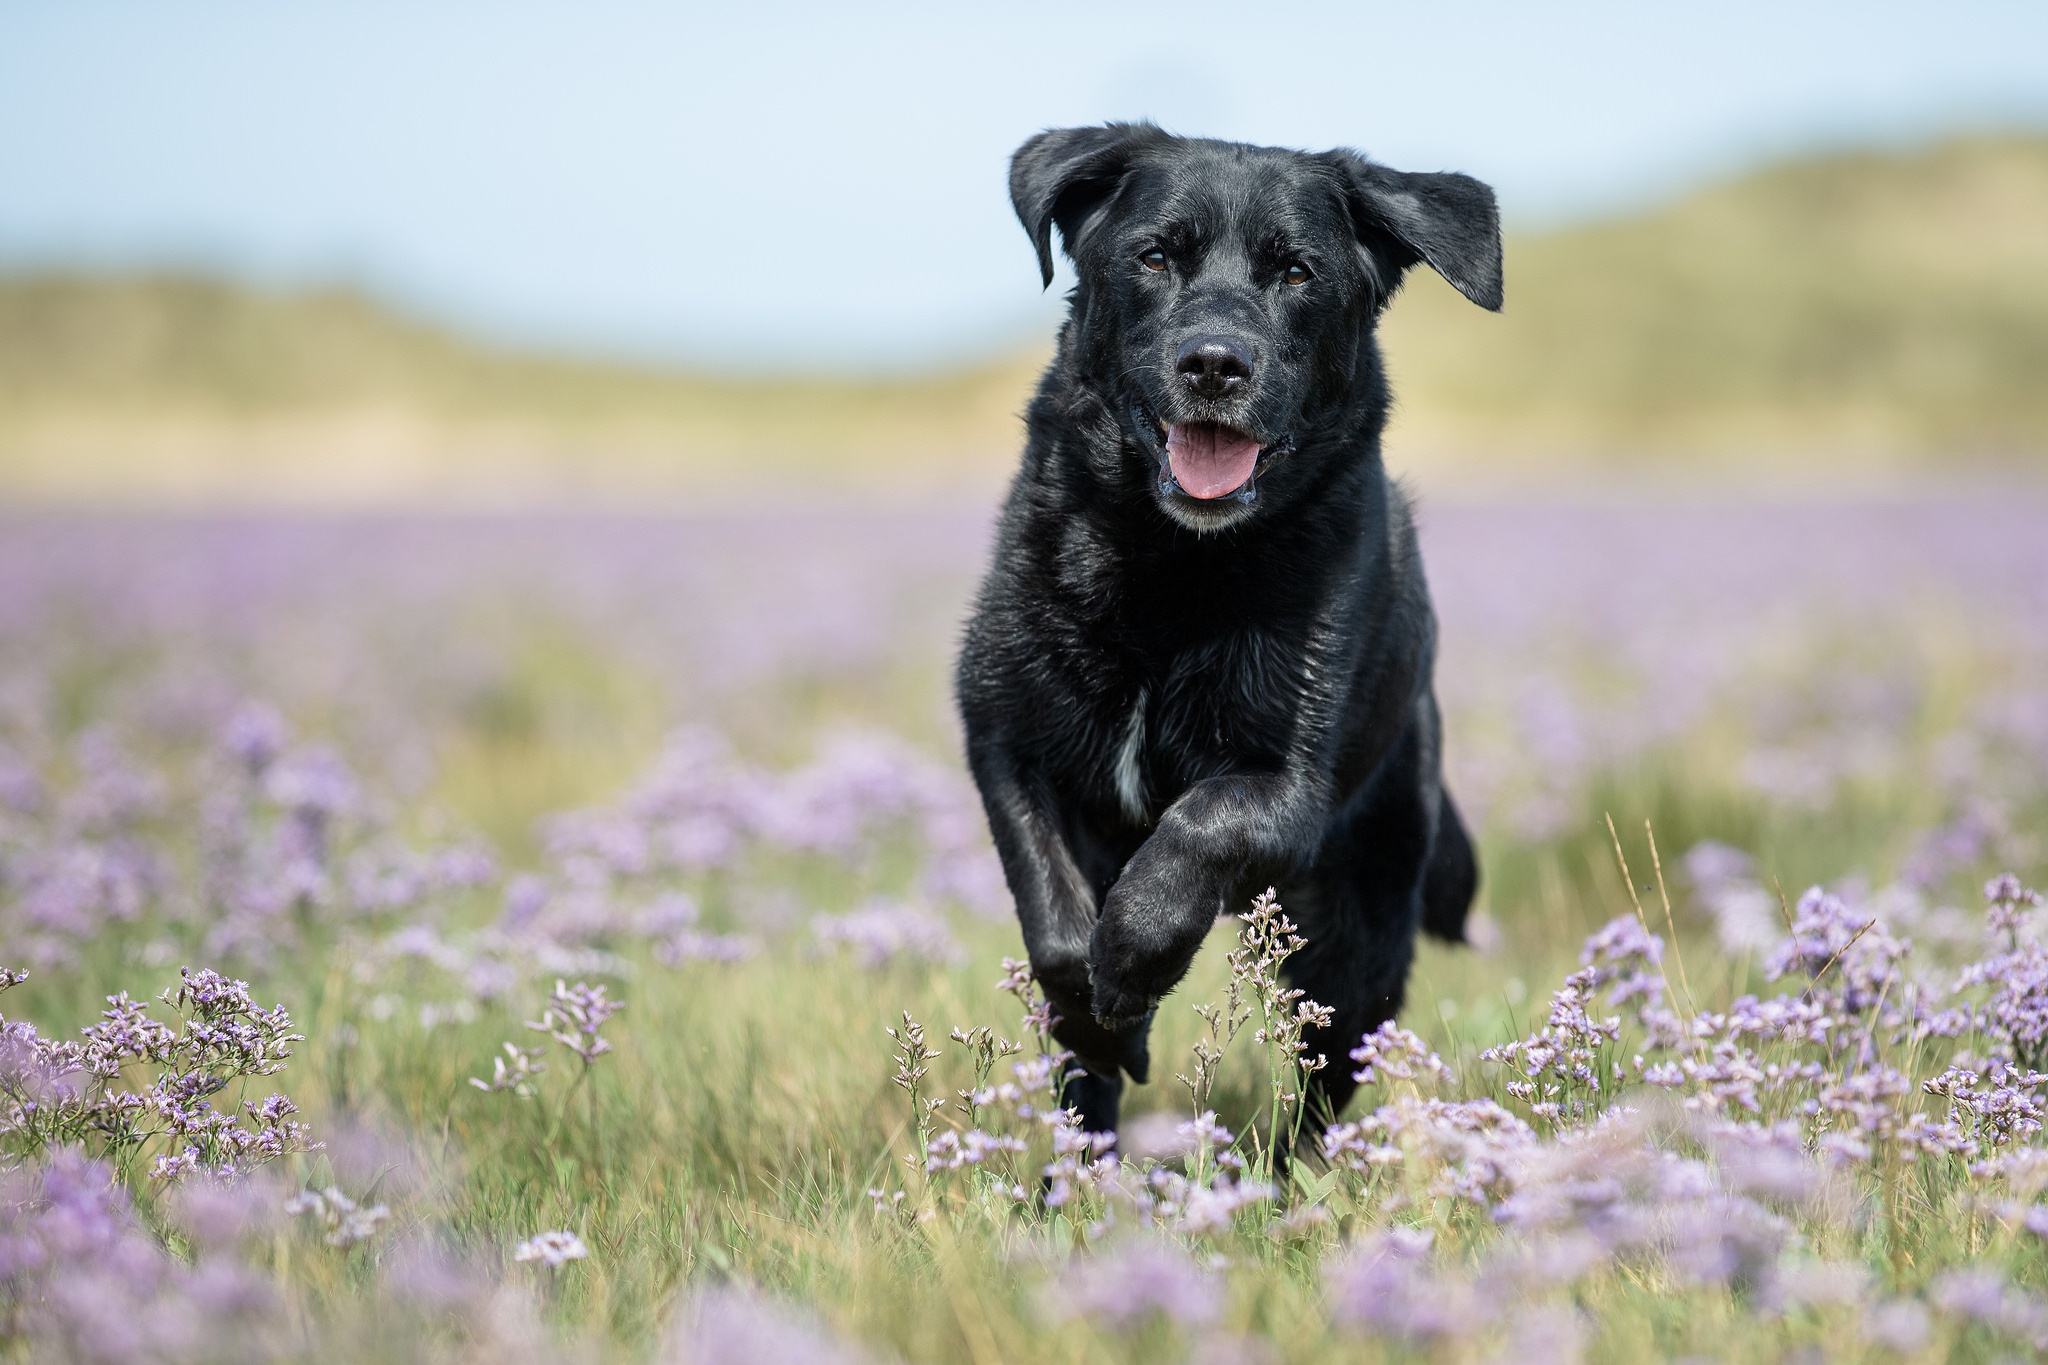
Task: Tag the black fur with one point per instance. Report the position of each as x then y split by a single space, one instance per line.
1172 702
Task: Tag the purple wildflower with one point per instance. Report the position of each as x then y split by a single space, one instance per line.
84 1281
1768 1163
1846 945
1960 843
344 1222
54 1092
255 736
1561 1063
1997 1109
1133 1282
1543 1334
574 1016
1155 1136
515 1071
2008 906
1899 1324
735 1325
1626 960
1723 1239
217 1217
551 1249
2016 1013
1397 1054
1385 1284
1984 1296
882 932
951 1150
694 945
1465 1149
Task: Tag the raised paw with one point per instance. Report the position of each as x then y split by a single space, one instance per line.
1117 1007
1152 924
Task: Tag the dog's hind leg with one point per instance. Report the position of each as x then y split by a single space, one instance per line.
1359 909
1452 879
1359 969
1096 1099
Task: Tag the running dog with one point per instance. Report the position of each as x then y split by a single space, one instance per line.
1201 661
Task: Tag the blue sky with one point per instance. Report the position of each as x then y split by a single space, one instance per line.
822 185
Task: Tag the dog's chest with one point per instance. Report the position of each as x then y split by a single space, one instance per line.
1127 771
1227 706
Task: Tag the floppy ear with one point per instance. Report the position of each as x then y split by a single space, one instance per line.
1062 175
1449 221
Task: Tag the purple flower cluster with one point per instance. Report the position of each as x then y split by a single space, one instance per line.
1385 1283
82 1279
574 1016
342 1221
1802 626
75 862
1012 1136
290 844
1135 1281
54 1092
883 931
1785 1098
1746 916
2015 982
1829 935
1391 1052
1984 1296
1819 1055
736 1325
552 1249
1578 636
289 837
1560 1065
516 1071
1460 1149
700 809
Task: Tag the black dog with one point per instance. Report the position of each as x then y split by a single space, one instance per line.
1201 662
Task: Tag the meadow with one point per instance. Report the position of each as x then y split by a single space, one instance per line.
605 898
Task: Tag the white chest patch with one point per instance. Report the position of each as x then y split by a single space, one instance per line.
1129 772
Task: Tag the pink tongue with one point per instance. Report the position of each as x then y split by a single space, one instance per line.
1208 460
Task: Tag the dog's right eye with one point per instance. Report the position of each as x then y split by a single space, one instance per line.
1153 260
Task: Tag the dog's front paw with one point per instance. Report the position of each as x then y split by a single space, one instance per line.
1118 1004
1152 924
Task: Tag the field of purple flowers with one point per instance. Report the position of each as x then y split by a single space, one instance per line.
539 938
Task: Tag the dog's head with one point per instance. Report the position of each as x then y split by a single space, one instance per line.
1227 296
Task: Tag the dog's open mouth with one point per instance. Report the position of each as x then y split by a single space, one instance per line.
1210 460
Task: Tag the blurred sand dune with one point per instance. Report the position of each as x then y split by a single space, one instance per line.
1860 318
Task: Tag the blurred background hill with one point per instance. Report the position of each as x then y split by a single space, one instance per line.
1863 311
181 386
1853 315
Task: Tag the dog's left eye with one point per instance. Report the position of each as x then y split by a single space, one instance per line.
1153 260
1298 274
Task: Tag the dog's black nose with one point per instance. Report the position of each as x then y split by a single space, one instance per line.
1213 365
